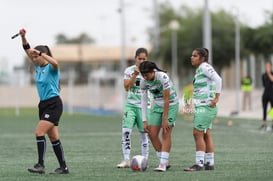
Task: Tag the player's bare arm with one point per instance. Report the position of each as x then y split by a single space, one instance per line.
128 84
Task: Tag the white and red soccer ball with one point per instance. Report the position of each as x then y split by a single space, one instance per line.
139 163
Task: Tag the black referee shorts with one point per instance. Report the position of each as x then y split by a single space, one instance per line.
51 110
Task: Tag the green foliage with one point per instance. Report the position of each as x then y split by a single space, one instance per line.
92 146
247 39
190 36
262 40
223 38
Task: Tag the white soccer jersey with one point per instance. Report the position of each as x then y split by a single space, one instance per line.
206 83
134 93
156 87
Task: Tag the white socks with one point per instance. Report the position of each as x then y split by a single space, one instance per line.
209 159
164 158
202 158
126 143
199 158
144 141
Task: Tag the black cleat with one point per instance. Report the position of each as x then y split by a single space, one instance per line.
194 168
60 171
209 167
37 168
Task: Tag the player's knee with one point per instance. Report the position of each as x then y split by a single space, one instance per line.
152 135
39 132
52 138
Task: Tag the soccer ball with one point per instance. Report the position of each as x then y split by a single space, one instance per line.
139 163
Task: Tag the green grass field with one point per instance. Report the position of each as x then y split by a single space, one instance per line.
92 147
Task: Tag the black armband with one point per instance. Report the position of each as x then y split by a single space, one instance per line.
26 46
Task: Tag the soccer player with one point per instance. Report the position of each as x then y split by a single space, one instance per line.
132 110
163 113
207 88
50 105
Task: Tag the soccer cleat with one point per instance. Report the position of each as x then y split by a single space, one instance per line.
160 168
168 166
209 167
60 171
124 164
37 168
194 168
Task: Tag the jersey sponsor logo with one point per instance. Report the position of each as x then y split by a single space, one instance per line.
155 91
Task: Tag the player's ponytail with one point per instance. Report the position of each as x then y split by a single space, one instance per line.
148 67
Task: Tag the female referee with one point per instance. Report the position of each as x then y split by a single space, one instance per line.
207 88
163 113
50 105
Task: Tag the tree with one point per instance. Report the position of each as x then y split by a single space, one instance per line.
223 39
190 37
259 40
262 40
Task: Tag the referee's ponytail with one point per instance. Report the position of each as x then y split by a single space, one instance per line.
44 49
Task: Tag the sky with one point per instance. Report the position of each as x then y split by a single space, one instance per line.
100 19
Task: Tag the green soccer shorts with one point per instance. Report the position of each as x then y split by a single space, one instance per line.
132 116
155 118
204 116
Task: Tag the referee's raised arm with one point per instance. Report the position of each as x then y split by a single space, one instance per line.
25 43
